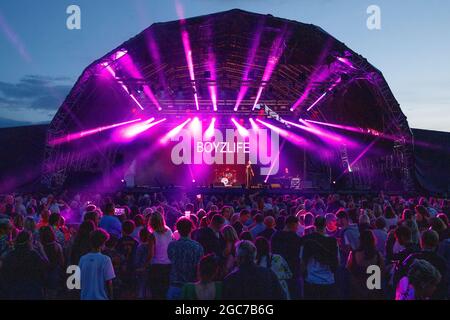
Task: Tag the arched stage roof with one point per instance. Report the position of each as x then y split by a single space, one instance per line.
298 70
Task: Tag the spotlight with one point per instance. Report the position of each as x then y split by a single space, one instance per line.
174 131
135 130
255 127
196 125
82 134
242 131
210 131
119 54
139 89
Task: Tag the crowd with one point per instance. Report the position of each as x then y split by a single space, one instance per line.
257 246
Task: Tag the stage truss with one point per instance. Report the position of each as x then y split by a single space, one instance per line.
233 35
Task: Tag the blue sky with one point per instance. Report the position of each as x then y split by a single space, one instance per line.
41 58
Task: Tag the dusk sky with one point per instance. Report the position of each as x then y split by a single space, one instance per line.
41 59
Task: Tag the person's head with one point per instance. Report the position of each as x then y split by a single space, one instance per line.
429 240
93 216
109 209
259 218
112 241
208 268
424 278
342 219
54 219
403 235
85 229
46 235
204 222
389 212
352 215
29 224
437 225
423 201
269 222
217 222
364 219
227 212
245 253
331 221
408 214
308 219
139 220
380 223
244 216
31 211
262 248
144 235
190 207
320 223
19 221
246 235
229 234
23 240
128 227
45 214
367 243
422 213
444 218
98 239
184 227
291 223
157 222
280 222
91 207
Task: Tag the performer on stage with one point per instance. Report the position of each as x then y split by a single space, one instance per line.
249 174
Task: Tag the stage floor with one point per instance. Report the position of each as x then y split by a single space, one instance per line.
241 191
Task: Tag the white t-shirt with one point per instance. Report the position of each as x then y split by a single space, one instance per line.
96 269
162 243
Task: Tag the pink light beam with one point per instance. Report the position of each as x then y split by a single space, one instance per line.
174 132
210 131
250 59
82 134
187 50
242 131
113 73
275 53
255 126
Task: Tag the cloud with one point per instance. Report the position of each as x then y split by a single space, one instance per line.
5 123
34 93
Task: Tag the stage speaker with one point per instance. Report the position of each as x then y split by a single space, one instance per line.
307 184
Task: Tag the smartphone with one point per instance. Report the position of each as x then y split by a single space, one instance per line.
119 211
187 214
199 196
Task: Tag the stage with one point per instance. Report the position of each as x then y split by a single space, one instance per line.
240 191
227 89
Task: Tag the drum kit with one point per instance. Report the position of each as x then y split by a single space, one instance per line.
226 177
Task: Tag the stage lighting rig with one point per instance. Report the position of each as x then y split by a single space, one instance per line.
271 114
